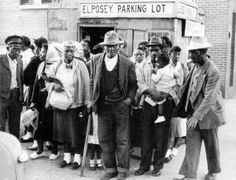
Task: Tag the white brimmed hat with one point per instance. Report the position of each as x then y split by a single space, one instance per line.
199 43
111 38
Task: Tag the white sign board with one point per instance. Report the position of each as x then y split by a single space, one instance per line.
194 29
152 9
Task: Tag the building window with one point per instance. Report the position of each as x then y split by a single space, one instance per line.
34 2
232 58
46 1
25 2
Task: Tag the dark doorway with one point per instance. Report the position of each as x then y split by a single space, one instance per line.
94 34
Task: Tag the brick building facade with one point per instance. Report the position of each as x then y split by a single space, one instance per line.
58 20
220 24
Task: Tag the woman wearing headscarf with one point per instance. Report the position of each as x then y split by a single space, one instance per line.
67 124
48 55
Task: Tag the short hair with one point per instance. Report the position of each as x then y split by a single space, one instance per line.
168 41
39 41
87 41
175 49
143 43
163 57
97 49
26 41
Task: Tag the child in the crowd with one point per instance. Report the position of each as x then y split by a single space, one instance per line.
94 145
165 78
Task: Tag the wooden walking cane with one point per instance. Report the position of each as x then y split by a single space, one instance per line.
85 146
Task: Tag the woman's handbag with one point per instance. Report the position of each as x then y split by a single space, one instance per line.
61 100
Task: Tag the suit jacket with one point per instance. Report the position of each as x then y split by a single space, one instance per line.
5 77
207 105
127 77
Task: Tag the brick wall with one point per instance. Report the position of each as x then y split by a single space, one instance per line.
13 20
217 27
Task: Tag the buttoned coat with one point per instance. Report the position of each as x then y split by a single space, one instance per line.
5 77
127 77
207 101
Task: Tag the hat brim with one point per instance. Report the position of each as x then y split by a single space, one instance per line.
204 46
155 44
9 41
111 43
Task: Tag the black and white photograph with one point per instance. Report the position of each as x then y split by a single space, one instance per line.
117 89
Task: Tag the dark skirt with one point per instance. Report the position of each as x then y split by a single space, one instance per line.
44 130
68 127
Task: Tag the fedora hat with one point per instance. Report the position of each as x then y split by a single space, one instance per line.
155 42
111 38
198 43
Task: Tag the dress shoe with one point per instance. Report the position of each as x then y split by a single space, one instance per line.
36 155
75 165
122 176
108 176
26 140
99 166
28 137
32 148
54 156
63 164
156 172
92 167
210 176
140 172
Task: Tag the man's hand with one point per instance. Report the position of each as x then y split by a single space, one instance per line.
147 91
192 122
89 107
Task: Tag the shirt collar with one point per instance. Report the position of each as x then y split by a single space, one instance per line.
9 58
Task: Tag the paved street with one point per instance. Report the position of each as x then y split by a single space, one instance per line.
43 169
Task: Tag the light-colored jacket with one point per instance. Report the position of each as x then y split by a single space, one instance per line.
207 101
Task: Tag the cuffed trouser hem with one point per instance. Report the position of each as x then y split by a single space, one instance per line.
188 175
110 170
123 170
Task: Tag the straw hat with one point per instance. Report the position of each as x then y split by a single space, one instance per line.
199 43
111 38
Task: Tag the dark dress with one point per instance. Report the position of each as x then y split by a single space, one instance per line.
44 130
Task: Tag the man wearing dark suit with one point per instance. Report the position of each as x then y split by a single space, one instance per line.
114 86
11 85
201 102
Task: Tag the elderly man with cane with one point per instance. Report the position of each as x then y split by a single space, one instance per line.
114 86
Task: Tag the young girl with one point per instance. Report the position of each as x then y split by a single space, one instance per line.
165 78
94 145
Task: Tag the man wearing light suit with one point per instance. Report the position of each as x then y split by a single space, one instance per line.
11 85
201 102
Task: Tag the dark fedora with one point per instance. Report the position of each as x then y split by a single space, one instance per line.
155 42
14 39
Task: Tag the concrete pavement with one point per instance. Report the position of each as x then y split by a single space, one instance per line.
43 169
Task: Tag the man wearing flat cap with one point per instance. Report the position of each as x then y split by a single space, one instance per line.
202 104
113 83
154 136
11 85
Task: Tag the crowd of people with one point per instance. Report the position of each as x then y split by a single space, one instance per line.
152 100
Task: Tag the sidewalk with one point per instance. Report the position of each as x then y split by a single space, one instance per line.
43 169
